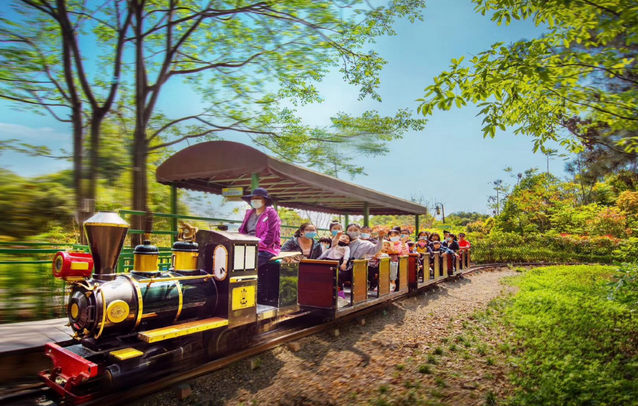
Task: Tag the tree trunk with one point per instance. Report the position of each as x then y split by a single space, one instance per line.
94 162
140 181
140 144
78 170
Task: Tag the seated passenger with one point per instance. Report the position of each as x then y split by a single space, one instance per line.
434 237
340 252
397 247
422 243
450 242
359 248
304 242
421 248
438 247
366 234
335 228
325 243
405 235
373 265
463 243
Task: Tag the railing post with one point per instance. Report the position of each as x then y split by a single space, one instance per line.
366 214
174 212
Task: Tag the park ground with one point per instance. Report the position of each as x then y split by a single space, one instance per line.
510 336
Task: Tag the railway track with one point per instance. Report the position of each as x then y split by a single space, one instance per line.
38 394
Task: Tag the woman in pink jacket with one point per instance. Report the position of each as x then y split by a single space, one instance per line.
262 221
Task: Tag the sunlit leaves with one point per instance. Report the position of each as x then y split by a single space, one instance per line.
583 66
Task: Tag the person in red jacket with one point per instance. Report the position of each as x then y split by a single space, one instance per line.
463 243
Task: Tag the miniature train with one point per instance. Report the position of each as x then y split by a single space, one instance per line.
147 322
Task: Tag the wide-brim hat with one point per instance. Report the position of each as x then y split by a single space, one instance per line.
259 192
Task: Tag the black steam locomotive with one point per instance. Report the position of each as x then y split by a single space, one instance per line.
151 320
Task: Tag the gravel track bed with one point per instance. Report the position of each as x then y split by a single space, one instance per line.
432 349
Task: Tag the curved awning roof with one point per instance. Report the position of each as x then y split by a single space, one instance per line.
212 166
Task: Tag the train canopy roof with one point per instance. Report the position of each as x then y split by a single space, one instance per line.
212 166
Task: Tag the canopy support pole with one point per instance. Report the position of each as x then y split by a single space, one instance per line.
346 219
416 225
366 214
254 181
174 212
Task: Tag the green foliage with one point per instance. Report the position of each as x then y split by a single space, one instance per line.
583 66
624 288
32 206
463 218
573 346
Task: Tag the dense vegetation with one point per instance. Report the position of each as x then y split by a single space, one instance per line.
573 336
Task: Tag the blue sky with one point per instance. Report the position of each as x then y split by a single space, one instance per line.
449 161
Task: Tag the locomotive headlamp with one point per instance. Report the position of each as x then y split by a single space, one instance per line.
72 266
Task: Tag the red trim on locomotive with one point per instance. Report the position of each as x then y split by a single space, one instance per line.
72 265
69 370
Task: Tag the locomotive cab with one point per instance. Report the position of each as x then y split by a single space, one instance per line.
231 259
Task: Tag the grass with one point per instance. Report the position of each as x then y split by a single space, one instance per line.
572 344
432 359
481 349
438 351
424 369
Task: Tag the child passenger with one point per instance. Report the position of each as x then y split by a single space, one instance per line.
340 252
397 247
325 243
463 243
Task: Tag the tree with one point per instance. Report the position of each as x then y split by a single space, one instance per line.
496 202
244 59
579 78
45 70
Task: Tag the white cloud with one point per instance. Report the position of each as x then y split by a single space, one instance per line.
28 134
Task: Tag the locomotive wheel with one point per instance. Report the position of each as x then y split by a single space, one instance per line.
191 352
227 341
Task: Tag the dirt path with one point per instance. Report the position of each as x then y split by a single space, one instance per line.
433 349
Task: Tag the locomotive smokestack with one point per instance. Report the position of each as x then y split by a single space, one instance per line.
105 232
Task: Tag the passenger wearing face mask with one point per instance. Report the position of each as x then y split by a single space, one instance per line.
451 243
405 236
262 221
304 242
335 228
360 248
422 243
325 243
366 234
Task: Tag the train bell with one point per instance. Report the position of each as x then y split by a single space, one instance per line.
146 258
